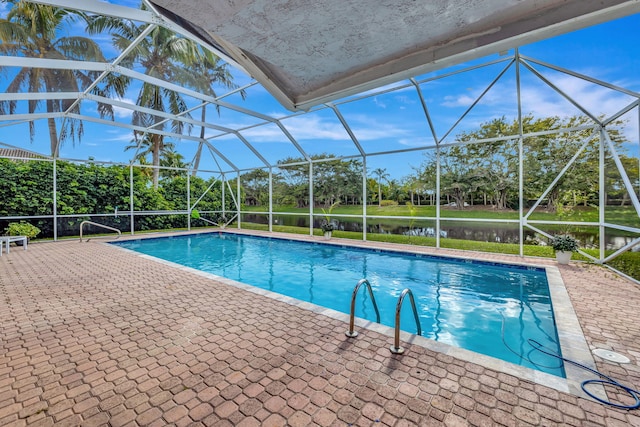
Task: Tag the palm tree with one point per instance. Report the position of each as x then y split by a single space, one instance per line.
31 30
163 55
145 146
381 174
172 159
396 191
208 71
169 57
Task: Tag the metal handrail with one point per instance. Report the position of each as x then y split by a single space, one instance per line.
351 333
395 348
99 225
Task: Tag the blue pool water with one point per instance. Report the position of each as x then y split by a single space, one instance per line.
484 307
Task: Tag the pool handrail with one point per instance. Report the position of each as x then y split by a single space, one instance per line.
98 225
351 333
395 348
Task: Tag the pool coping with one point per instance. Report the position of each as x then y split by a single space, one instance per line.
573 344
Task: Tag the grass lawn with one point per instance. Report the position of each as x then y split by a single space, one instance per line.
625 215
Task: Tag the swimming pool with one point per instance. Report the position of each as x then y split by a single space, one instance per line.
488 308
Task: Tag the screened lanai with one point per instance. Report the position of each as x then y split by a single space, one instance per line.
484 130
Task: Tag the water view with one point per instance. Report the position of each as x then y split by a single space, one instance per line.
472 230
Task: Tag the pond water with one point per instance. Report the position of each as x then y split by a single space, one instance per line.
476 231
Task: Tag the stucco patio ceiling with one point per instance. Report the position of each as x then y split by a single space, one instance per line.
308 52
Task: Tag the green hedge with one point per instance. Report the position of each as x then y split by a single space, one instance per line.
26 189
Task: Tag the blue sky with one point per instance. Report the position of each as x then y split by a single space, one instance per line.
395 120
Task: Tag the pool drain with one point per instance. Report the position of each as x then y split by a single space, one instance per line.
611 355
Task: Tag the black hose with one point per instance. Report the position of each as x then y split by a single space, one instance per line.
607 380
603 379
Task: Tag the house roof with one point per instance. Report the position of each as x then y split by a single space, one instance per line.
19 153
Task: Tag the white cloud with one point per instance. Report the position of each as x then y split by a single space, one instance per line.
544 100
118 135
379 103
541 100
301 127
120 114
368 127
125 113
462 100
599 101
417 141
404 100
314 128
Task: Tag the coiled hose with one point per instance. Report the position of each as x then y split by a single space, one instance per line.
602 378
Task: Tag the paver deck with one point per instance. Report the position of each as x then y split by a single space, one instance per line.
93 335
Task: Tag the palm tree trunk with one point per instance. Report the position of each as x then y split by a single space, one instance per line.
53 136
156 159
196 162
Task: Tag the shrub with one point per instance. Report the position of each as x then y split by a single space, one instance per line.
22 228
564 243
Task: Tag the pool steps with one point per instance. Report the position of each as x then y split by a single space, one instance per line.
351 333
395 348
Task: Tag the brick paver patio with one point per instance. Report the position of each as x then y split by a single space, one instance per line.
93 335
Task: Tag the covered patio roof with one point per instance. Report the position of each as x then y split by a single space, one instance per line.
307 52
